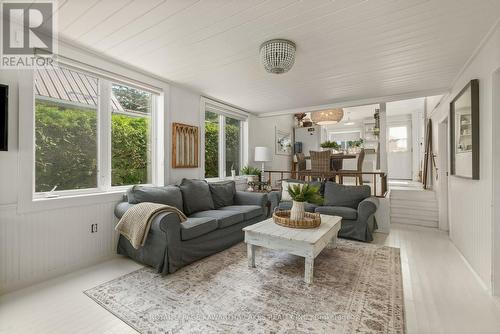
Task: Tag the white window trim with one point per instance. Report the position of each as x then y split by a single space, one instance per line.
27 201
223 111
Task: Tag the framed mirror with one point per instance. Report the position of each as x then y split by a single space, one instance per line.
464 132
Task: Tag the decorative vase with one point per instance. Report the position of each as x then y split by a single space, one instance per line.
297 211
233 174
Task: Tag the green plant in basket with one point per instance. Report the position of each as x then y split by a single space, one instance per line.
300 195
305 193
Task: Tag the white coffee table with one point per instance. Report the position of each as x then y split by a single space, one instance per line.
307 243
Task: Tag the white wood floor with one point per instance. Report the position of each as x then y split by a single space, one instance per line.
442 295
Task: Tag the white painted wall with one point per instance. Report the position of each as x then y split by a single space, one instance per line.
262 133
42 244
470 201
184 108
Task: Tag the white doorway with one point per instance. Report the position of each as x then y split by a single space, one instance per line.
399 150
442 174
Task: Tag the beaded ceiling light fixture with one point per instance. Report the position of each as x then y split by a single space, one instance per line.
277 55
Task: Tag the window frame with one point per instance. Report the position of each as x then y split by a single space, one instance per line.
104 139
104 69
223 111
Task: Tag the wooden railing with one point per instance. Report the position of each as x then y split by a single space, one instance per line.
378 180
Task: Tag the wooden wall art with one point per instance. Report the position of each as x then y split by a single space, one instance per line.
185 145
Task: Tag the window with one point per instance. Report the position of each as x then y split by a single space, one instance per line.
78 146
233 145
398 139
65 131
211 144
130 135
344 139
223 140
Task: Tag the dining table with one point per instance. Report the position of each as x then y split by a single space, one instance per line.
336 160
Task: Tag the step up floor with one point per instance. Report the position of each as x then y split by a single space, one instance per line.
413 206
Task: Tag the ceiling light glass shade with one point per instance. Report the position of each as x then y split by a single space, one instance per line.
277 55
325 117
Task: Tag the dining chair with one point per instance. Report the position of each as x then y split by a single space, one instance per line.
301 165
359 169
320 163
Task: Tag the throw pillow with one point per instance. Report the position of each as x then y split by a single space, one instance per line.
168 195
196 196
223 193
285 196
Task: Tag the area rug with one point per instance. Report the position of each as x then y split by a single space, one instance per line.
357 289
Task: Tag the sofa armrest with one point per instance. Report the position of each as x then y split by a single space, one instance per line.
367 207
121 208
167 222
275 199
250 198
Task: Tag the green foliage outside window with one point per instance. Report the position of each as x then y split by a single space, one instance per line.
66 148
232 133
130 155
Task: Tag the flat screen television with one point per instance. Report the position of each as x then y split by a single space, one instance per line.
4 117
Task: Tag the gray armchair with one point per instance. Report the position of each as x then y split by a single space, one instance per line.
354 204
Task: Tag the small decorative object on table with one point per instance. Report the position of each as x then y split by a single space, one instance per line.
258 186
309 220
297 217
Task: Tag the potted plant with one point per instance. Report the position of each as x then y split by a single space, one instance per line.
233 172
253 174
300 194
330 145
355 145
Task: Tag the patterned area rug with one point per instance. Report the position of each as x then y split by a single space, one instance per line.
357 289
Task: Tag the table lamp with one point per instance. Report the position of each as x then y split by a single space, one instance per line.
262 154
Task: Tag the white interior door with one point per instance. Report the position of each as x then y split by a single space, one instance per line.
399 150
442 158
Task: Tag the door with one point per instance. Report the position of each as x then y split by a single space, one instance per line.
399 150
442 174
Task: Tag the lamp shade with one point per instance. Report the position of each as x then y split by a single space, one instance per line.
330 116
262 154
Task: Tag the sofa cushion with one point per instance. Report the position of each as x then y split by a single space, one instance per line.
223 193
195 227
196 196
341 211
349 196
287 205
248 211
224 218
169 195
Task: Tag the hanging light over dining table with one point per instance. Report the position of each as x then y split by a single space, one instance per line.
329 116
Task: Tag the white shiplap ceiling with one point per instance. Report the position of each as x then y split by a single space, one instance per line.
346 49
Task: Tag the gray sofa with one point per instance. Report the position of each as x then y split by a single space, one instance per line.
354 204
216 215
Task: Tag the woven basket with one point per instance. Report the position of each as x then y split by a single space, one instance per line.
311 220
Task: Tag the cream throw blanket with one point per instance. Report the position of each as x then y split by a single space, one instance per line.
136 222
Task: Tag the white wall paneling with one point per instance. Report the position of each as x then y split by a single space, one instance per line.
41 245
470 202
51 237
